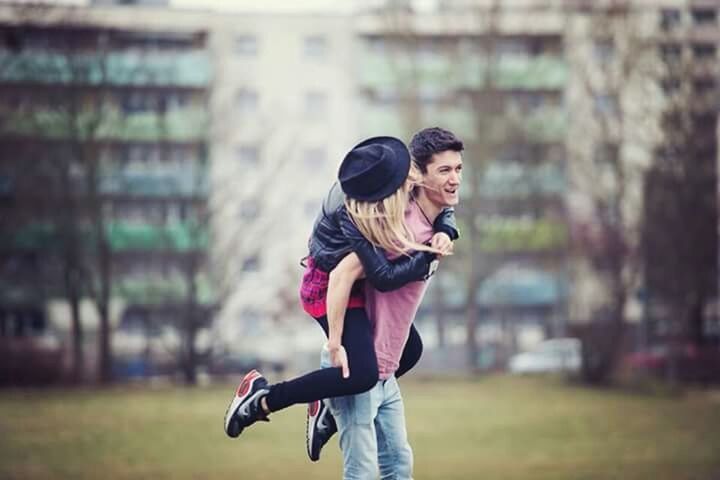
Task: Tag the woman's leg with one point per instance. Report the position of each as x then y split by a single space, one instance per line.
328 382
411 353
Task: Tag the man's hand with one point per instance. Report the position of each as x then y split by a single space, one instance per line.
442 242
338 358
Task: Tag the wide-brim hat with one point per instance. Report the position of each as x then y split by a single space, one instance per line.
374 169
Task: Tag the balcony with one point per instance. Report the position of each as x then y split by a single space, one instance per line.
188 69
507 235
181 125
172 184
514 180
545 125
178 237
159 290
509 73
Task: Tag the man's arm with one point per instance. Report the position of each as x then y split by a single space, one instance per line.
340 283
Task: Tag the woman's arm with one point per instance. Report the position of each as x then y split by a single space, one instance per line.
383 274
340 283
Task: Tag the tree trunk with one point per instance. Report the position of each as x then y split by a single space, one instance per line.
78 358
439 301
189 357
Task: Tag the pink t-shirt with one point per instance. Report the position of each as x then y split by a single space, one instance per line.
392 313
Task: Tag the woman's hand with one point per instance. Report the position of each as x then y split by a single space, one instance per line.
338 358
441 241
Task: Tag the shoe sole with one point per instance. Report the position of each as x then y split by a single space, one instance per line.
308 434
231 424
310 422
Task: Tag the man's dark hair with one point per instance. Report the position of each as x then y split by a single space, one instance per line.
430 141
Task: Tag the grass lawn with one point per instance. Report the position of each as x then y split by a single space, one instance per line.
491 428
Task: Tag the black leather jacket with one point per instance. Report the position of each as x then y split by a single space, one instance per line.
335 235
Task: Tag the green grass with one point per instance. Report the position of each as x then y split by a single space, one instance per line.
492 428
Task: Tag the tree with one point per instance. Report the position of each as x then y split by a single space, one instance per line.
612 137
73 72
49 128
680 214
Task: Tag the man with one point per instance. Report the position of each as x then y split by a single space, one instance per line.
372 424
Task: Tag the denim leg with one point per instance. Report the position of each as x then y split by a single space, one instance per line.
354 418
395 457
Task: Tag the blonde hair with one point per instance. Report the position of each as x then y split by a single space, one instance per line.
382 222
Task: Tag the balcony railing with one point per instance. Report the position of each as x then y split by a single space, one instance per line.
508 73
183 124
188 69
157 290
178 237
511 235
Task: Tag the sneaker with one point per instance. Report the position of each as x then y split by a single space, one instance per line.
245 409
320 427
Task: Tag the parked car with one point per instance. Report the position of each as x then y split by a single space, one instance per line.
554 355
687 361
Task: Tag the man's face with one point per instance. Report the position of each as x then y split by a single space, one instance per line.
443 177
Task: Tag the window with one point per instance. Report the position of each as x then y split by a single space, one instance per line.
704 16
134 102
385 96
670 18
606 105
314 158
603 50
528 101
246 45
315 46
670 52
251 263
704 51
315 104
704 85
537 46
429 49
376 45
606 154
137 154
247 101
429 95
249 210
670 85
247 155
512 47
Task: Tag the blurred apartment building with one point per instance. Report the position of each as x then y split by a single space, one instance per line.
218 137
496 76
566 109
643 95
231 127
104 130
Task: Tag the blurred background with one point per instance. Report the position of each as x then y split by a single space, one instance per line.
162 163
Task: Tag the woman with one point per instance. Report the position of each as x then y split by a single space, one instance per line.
372 197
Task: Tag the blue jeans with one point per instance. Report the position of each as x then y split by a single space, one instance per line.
371 425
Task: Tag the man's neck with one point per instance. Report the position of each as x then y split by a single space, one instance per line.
429 208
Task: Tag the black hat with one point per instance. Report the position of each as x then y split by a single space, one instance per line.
374 169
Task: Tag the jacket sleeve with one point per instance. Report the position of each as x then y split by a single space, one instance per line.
384 274
445 222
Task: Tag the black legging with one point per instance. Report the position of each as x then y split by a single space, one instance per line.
328 382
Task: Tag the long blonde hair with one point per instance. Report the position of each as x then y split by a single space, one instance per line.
383 222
